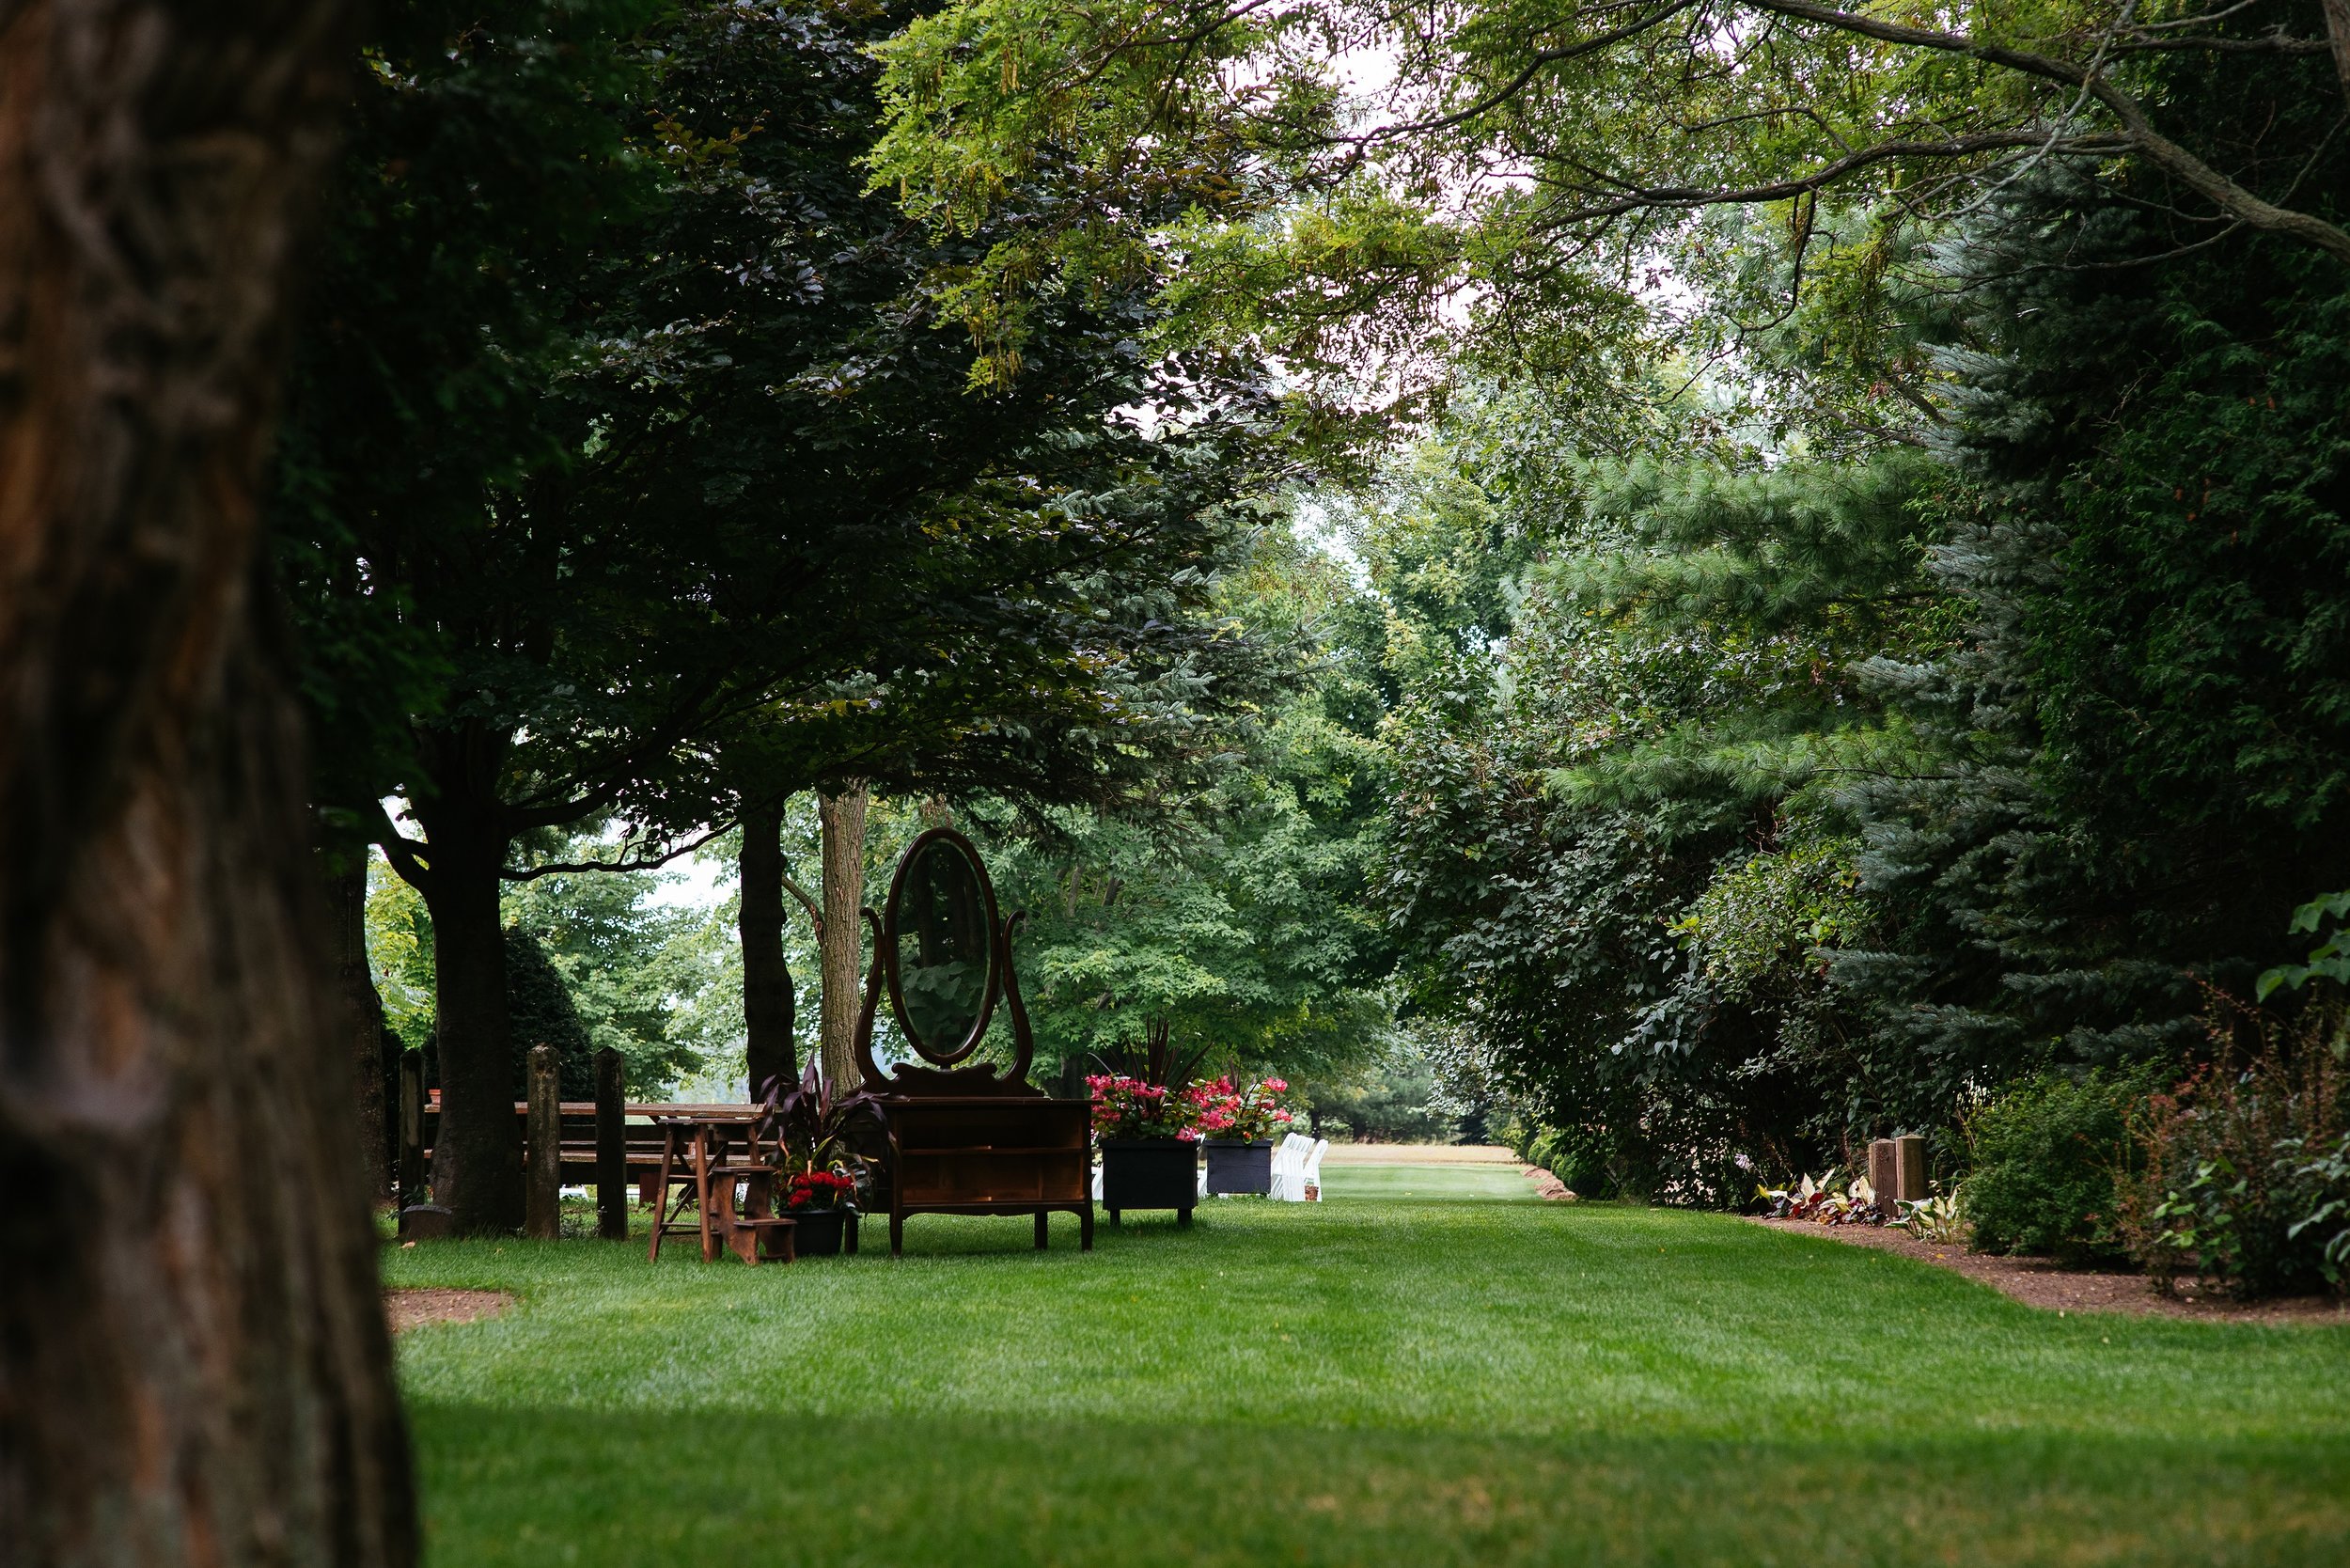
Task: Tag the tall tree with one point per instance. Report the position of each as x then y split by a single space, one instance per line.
193 1364
1049 554
718 393
481 164
2141 743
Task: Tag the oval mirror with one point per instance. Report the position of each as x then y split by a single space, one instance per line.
945 951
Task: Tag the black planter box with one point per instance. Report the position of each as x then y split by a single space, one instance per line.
1158 1173
1238 1165
819 1232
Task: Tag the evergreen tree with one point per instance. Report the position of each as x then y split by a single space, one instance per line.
2142 739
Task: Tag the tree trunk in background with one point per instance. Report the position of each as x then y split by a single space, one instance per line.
359 1021
193 1366
2338 34
842 817
477 1150
768 1004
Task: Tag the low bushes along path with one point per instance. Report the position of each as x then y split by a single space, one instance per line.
1429 1380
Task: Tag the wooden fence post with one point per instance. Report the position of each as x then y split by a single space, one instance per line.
1884 1174
611 1148
412 1130
543 1149
1909 1167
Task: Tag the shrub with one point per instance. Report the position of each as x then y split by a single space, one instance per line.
2244 1181
1821 1203
1578 1158
2326 1224
2045 1157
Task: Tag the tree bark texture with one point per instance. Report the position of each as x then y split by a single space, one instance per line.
194 1365
768 1003
545 1220
2338 36
841 945
360 1019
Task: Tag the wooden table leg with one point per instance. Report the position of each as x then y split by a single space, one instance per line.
1039 1230
660 1194
1085 1228
723 1214
701 1192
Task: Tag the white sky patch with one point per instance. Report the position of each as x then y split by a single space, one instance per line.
697 882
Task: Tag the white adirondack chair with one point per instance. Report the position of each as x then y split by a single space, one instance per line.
1289 1168
1309 1174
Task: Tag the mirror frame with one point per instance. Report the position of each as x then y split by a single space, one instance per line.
887 944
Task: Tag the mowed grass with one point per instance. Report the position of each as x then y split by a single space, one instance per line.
1428 1183
1405 1382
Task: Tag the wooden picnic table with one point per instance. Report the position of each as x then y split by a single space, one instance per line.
643 1138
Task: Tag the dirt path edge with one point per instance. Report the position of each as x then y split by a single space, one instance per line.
413 1308
2038 1282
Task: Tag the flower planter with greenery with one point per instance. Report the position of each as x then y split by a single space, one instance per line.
823 1204
1150 1153
822 1139
1237 1126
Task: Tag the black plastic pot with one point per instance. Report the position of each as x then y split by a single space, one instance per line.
819 1233
1155 1173
1240 1165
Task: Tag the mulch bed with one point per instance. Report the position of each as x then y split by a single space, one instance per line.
2038 1282
1546 1185
406 1310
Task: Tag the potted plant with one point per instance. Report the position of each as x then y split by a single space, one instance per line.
823 1202
1150 1154
1236 1127
823 1138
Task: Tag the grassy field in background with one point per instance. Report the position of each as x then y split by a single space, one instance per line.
1428 1183
1409 1381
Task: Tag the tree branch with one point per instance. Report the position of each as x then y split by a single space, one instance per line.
401 850
1518 83
561 868
809 902
1637 198
2164 153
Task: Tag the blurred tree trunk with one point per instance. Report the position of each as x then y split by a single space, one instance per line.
768 1004
193 1366
842 944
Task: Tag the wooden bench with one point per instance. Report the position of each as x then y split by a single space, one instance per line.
641 1135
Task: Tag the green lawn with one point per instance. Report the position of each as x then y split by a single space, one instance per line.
1352 1383
1428 1183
